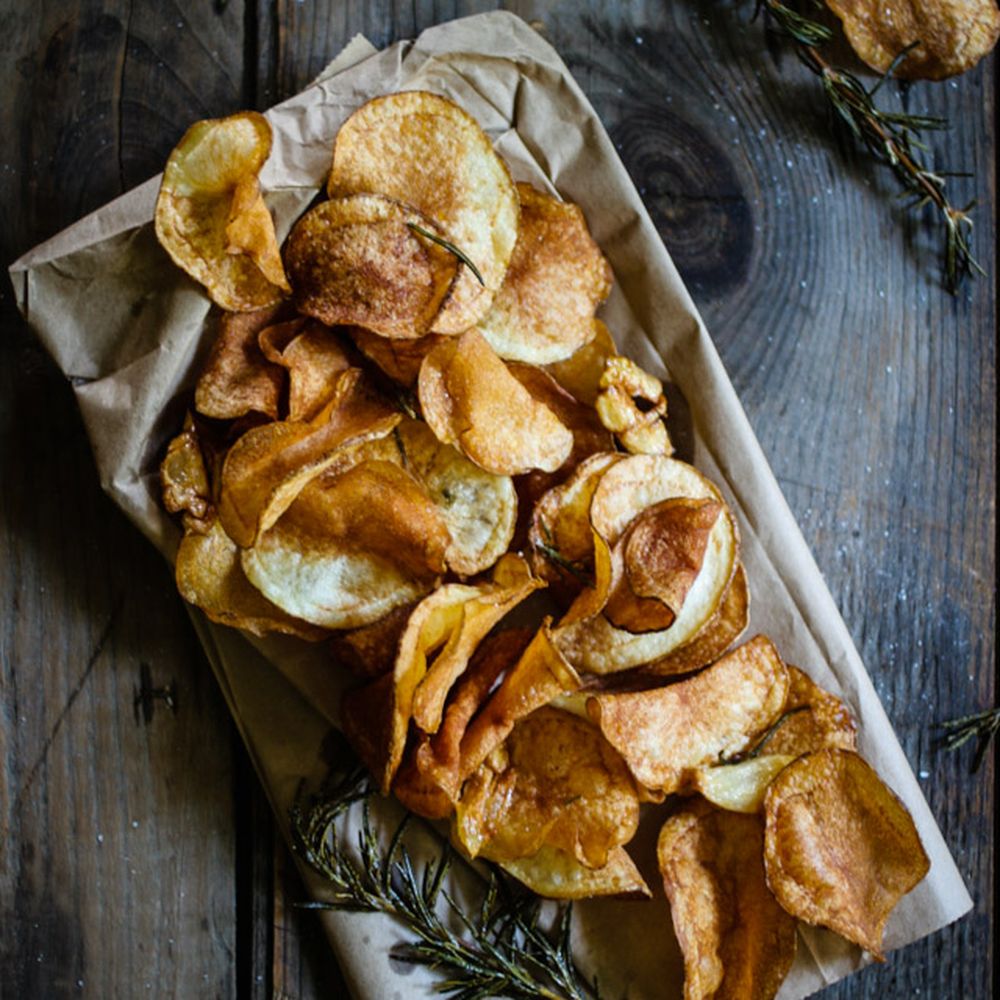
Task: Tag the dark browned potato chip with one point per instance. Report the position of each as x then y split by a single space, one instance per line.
840 849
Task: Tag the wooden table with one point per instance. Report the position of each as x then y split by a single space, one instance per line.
137 856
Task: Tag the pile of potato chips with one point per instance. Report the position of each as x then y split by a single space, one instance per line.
413 440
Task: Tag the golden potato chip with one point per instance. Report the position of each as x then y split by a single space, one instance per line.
478 507
269 466
209 575
737 942
367 718
470 399
840 849
716 636
559 783
953 35
557 277
513 582
356 260
426 151
639 428
814 720
237 378
210 215
351 549
557 875
667 733
740 787
580 373
183 479
370 651
315 358
538 676
399 359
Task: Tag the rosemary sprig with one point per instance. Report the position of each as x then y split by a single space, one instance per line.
982 726
891 138
499 950
755 751
450 247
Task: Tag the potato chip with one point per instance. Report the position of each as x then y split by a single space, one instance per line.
639 427
826 722
370 651
559 783
538 676
269 466
351 549
367 718
953 35
470 399
399 359
557 277
666 734
737 942
237 378
740 787
428 152
580 373
183 479
513 582
557 875
356 260
478 507
315 358
840 849
210 215
209 575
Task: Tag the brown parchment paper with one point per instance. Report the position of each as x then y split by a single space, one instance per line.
129 330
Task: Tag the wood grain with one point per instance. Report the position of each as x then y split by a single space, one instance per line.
871 391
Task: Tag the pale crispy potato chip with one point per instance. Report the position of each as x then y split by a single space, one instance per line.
740 787
639 428
426 151
209 576
470 399
269 466
210 215
348 551
737 942
513 582
815 720
479 507
840 849
580 373
953 35
356 260
557 875
314 357
237 378
183 479
666 734
399 359
538 676
558 782
557 277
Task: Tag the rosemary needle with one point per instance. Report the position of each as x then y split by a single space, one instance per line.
450 247
982 727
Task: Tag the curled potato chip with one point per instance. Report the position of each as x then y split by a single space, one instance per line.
356 260
557 277
269 466
183 479
350 549
560 783
580 373
556 874
740 787
210 215
426 151
399 359
479 507
639 428
737 942
666 734
209 575
370 651
840 850
953 35
237 379
814 720
470 399
314 357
